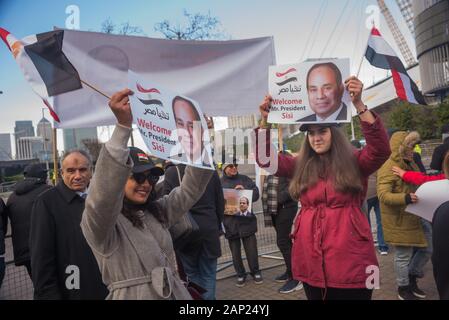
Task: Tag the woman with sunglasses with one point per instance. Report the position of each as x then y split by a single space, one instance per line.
333 250
126 227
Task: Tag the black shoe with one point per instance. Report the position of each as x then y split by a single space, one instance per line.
414 288
404 293
291 286
282 278
240 282
258 278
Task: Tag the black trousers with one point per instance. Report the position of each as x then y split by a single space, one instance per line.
2 270
314 293
282 222
27 265
250 246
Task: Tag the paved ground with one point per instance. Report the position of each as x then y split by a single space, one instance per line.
226 289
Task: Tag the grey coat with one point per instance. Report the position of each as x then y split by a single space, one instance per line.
134 263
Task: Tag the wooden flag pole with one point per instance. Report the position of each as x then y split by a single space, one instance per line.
55 157
95 89
108 97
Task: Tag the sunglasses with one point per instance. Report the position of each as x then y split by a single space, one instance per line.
141 177
233 166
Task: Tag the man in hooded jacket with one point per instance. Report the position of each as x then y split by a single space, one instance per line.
19 206
408 233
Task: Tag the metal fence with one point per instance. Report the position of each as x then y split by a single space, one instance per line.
18 286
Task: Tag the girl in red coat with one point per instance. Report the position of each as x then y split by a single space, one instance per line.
333 250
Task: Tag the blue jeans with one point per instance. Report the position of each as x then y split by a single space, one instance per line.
374 203
201 270
410 261
422 255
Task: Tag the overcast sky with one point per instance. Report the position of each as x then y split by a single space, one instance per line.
342 33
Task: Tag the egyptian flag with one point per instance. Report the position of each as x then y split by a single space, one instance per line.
381 55
43 64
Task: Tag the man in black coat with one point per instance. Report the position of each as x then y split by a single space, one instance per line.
19 205
61 260
242 228
440 255
441 150
199 259
2 239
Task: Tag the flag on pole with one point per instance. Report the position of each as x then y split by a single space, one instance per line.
227 78
380 54
44 64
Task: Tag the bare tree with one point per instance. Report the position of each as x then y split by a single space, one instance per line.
199 27
125 28
108 26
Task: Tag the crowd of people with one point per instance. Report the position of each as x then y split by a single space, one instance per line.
106 235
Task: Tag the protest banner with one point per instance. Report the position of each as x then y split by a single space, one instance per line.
172 126
310 92
238 202
430 196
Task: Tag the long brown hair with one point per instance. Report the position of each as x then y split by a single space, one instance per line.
339 164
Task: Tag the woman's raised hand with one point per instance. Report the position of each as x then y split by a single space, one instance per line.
119 105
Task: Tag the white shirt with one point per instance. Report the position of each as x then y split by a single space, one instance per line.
82 194
246 213
332 117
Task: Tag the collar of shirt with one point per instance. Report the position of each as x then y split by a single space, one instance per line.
82 194
332 117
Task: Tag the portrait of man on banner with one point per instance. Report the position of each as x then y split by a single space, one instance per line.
325 90
190 132
238 202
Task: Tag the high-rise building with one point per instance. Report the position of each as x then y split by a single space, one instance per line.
30 148
432 45
23 129
44 131
5 147
76 138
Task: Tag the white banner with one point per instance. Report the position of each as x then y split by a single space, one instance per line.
225 77
310 92
171 125
431 195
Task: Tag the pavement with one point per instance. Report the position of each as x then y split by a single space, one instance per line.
268 290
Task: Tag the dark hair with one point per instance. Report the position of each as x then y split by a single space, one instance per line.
135 213
247 200
339 164
190 103
329 65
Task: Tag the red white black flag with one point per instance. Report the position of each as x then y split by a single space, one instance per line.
44 64
381 55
